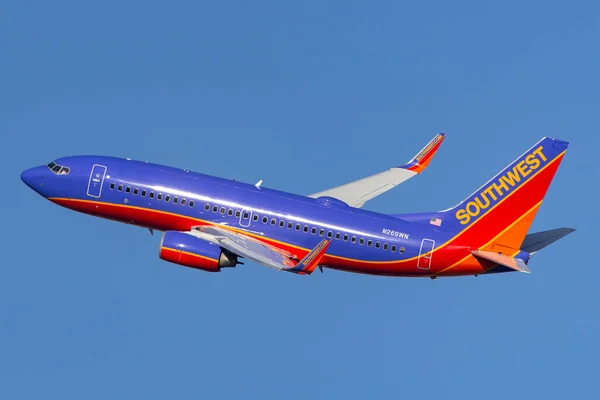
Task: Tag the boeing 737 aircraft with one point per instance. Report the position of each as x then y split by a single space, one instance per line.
211 223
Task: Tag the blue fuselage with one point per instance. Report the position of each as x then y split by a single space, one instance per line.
166 198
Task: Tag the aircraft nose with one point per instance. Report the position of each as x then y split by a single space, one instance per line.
33 177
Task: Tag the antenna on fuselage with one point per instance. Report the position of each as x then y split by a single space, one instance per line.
258 184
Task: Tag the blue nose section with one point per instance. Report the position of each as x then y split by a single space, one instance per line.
34 177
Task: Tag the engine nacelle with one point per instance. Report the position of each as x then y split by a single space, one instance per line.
189 251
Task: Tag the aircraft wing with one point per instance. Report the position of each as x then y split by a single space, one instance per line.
357 193
253 249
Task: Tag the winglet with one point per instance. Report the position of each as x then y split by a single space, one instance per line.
513 263
423 158
310 262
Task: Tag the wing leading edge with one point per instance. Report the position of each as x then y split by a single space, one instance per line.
358 192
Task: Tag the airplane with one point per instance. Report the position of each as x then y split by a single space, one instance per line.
211 223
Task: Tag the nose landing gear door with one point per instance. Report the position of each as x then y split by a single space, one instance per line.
97 175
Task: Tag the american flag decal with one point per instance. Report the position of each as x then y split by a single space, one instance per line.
435 221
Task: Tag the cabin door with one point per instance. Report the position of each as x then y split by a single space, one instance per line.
96 180
425 254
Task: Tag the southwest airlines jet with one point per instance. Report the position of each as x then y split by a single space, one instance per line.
211 223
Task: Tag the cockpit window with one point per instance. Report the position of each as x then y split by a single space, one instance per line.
57 169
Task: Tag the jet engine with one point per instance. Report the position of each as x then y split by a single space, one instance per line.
190 251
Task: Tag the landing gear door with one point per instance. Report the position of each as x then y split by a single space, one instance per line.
96 181
425 254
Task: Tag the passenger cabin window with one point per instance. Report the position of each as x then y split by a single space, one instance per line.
370 243
273 221
207 206
183 201
329 234
175 200
167 198
377 245
127 189
321 232
246 214
305 229
238 213
151 195
337 236
222 210
353 240
230 212
281 223
135 191
297 227
385 246
361 241
290 225
112 186
143 193
401 250
255 217
191 203
159 197
265 220
393 248
313 230
215 208
120 187
345 238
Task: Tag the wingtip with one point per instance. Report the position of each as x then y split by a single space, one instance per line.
424 157
310 262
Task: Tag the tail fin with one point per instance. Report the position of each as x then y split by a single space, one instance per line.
497 216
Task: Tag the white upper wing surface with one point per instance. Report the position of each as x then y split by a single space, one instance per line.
357 193
253 249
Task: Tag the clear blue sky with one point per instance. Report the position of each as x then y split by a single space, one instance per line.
304 95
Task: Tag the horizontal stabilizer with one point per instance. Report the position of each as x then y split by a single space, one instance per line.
536 241
501 259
